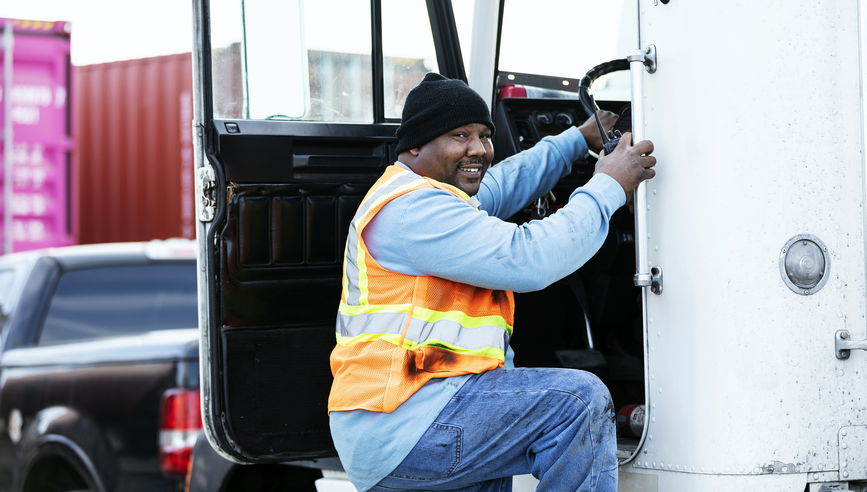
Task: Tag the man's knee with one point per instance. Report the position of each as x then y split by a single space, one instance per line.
593 393
603 405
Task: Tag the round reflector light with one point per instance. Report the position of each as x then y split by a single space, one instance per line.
804 264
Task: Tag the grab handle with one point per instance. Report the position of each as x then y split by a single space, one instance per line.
639 62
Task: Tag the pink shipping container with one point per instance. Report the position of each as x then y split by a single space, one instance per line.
43 169
135 149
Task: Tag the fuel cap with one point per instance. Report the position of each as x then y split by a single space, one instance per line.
804 264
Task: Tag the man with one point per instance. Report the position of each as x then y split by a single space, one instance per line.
425 393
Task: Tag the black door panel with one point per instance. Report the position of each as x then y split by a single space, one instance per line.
295 152
275 409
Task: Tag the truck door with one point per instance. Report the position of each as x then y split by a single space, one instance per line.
296 110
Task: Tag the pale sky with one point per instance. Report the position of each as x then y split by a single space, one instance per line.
112 30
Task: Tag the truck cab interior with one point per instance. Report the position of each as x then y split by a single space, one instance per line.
297 110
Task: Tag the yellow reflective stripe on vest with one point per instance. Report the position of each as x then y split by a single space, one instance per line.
470 322
492 352
429 315
373 308
367 337
471 335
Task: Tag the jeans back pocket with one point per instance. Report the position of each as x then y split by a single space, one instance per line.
435 456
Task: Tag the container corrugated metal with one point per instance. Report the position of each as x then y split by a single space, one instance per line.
135 149
43 167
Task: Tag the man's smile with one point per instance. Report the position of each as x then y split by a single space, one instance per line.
471 170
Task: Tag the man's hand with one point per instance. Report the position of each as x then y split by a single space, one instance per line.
591 131
628 164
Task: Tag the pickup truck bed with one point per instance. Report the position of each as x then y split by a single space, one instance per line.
98 343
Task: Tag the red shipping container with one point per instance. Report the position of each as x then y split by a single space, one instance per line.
135 149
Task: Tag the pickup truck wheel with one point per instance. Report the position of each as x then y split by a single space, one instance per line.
55 473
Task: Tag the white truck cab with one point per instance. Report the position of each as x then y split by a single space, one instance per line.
729 298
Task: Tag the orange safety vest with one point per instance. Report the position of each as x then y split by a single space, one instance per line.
396 332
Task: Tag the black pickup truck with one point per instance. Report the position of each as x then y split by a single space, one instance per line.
99 373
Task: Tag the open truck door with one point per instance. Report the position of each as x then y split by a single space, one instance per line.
296 111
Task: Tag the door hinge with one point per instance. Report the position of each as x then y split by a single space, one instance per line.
231 190
206 185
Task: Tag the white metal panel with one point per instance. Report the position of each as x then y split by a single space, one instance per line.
853 444
755 114
634 480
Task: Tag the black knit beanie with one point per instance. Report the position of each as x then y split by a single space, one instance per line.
438 105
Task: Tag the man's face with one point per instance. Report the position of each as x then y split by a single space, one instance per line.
459 157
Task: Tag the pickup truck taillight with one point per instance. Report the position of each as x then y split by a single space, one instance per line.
180 424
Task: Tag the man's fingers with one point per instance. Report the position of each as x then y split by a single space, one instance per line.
625 141
629 164
644 147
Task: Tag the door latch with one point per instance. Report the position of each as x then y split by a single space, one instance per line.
842 344
206 185
647 57
656 280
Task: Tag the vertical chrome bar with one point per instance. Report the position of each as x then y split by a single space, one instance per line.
642 261
7 137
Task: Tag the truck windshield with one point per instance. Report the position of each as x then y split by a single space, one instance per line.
120 301
566 38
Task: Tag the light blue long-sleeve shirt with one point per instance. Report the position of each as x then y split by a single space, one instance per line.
434 233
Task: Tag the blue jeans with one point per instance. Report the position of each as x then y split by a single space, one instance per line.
557 424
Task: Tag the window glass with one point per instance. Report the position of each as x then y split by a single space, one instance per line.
408 50
338 43
7 282
11 278
566 38
120 301
8 278
226 75
292 60
464 11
